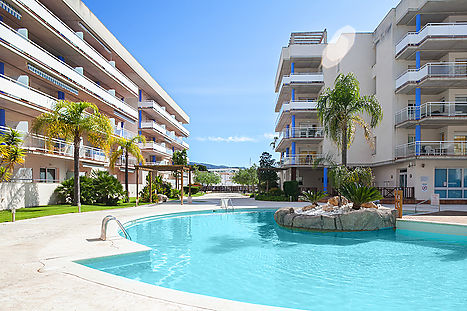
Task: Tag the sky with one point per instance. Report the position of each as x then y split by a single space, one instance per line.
218 60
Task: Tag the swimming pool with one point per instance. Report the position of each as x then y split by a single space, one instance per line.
245 256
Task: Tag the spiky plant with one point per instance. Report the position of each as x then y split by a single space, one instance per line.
359 194
312 197
340 109
11 153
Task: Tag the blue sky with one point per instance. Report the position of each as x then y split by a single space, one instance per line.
218 59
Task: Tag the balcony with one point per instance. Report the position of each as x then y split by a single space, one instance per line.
150 126
39 11
29 50
310 160
300 134
433 78
124 133
304 108
160 114
433 41
432 149
432 115
154 148
311 82
17 91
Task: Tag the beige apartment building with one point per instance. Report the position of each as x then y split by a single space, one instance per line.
58 49
415 63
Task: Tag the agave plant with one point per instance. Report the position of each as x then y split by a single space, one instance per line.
312 197
359 194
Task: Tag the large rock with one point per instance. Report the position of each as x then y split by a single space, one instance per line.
334 201
366 219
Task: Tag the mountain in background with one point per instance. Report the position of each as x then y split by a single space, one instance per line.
211 166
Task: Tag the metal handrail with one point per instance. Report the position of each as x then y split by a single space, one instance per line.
106 221
426 26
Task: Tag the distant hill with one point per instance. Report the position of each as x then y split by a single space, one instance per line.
211 166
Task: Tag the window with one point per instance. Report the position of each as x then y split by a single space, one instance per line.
451 183
47 175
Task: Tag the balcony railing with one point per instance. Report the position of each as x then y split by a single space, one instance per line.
38 143
449 30
432 148
28 47
70 35
303 77
153 125
25 93
438 70
431 109
308 159
153 146
152 104
124 133
296 105
302 132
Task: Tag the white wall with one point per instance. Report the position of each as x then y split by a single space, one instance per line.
19 195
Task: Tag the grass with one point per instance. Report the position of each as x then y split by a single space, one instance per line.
47 210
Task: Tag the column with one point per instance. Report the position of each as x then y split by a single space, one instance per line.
140 117
140 95
293 135
418 22
2 68
325 179
292 68
60 95
418 91
2 118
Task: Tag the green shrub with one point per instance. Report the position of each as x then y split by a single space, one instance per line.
268 197
159 186
101 187
291 189
359 194
194 189
174 194
106 188
312 197
275 192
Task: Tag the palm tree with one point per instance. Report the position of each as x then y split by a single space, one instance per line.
73 122
274 142
11 153
339 111
127 147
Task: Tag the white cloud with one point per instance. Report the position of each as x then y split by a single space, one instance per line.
230 139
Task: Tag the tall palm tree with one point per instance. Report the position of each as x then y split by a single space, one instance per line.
126 147
11 153
340 109
73 122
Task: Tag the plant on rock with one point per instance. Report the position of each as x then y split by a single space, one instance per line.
312 197
360 194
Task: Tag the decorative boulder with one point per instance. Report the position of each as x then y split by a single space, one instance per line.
366 219
369 205
335 201
309 207
162 198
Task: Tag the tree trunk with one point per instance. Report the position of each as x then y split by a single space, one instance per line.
77 197
127 199
344 146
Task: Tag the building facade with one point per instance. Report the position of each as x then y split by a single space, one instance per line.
415 63
58 50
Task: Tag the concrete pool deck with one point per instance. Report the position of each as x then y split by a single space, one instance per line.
38 272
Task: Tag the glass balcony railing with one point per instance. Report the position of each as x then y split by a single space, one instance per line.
438 70
302 159
302 132
432 148
163 112
431 109
168 134
296 105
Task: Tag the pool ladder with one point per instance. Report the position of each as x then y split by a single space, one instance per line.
225 203
105 222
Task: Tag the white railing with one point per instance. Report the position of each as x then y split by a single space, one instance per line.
307 159
23 92
70 35
302 132
153 146
431 109
432 148
441 70
450 30
171 136
296 105
124 133
305 77
38 143
155 106
164 162
30 48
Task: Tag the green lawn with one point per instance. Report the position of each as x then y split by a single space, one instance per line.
47 210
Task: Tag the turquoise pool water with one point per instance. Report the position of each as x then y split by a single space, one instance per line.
245 256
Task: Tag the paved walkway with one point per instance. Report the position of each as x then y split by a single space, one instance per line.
37 272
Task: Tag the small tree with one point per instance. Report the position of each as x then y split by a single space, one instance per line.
206 178
339 111
74 122
126 147
246 177
179 158
11 153
267 176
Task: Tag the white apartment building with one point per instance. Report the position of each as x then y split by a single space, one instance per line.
58 49
226 175
415 63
